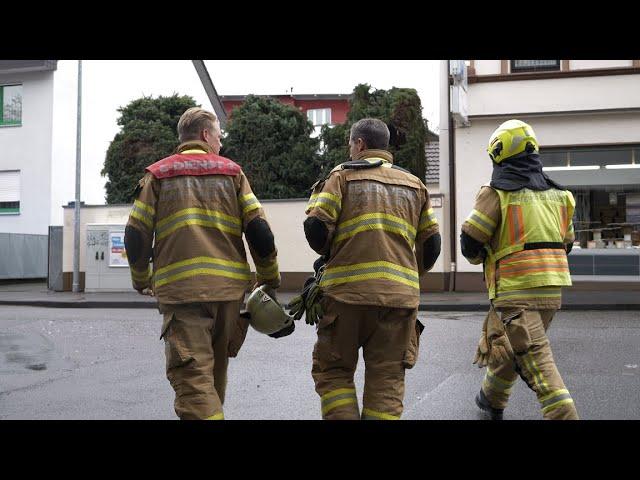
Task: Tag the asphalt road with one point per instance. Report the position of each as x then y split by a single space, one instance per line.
109 364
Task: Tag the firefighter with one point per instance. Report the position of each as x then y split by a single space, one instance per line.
190 213
373 224
520 229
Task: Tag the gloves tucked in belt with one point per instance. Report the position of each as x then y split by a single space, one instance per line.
494 347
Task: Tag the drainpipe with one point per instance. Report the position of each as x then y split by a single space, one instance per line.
452 188
447 179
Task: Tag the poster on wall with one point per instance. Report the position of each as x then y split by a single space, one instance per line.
117 253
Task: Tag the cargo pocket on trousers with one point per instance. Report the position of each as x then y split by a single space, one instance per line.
411 353
237 335
325 350
177 355
518 333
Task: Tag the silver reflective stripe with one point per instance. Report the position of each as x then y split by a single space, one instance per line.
477 219
557 398
193 216
205 265
530 292
373 221
364 271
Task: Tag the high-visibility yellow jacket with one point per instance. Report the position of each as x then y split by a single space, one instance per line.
524 233
197 205
377 221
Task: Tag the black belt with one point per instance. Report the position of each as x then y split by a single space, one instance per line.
538 245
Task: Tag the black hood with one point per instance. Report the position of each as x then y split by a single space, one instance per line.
522 171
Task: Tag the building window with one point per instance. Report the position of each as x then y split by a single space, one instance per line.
10 105
534 65
9 192
605 181
319 116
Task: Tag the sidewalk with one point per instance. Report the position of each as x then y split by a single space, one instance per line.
37 295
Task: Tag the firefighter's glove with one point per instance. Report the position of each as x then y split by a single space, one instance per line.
500 350
298 304
312 305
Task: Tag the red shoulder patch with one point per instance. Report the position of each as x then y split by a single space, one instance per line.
194 164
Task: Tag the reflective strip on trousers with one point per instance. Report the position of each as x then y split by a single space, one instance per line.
337 398
370 271
327 201
248 202
427 219
497 384
555 399
217 416
368 414
202 266
536 374
201 217
375 221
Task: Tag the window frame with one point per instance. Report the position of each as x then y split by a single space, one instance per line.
529 69
3 123
13 210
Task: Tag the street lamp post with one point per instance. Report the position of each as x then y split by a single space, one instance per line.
76 219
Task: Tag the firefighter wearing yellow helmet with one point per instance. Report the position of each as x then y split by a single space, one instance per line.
520 229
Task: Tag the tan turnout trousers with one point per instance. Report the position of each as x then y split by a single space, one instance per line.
533 362
389 338
199 339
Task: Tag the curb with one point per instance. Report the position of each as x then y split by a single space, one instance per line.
454 307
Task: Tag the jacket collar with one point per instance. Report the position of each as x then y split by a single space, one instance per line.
384 155
203 147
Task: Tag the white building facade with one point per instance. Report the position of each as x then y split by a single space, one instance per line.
586 115
26 125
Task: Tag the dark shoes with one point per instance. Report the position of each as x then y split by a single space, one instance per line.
483 404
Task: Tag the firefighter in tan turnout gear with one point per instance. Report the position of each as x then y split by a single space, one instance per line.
373 223
521 230
196 205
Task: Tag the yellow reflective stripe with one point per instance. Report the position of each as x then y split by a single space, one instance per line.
217 416
327 201
335 393
200 222
370 276
479 226
146 220
555 393
484 218
367 412
249 202
338 403
201 271
538 378
382 263
402 228
199 211
377 215
268 272
497 384
555 405
140 274
144 206
192 261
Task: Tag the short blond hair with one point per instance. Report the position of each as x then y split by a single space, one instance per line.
193 121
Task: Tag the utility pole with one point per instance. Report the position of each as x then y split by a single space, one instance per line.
76 218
